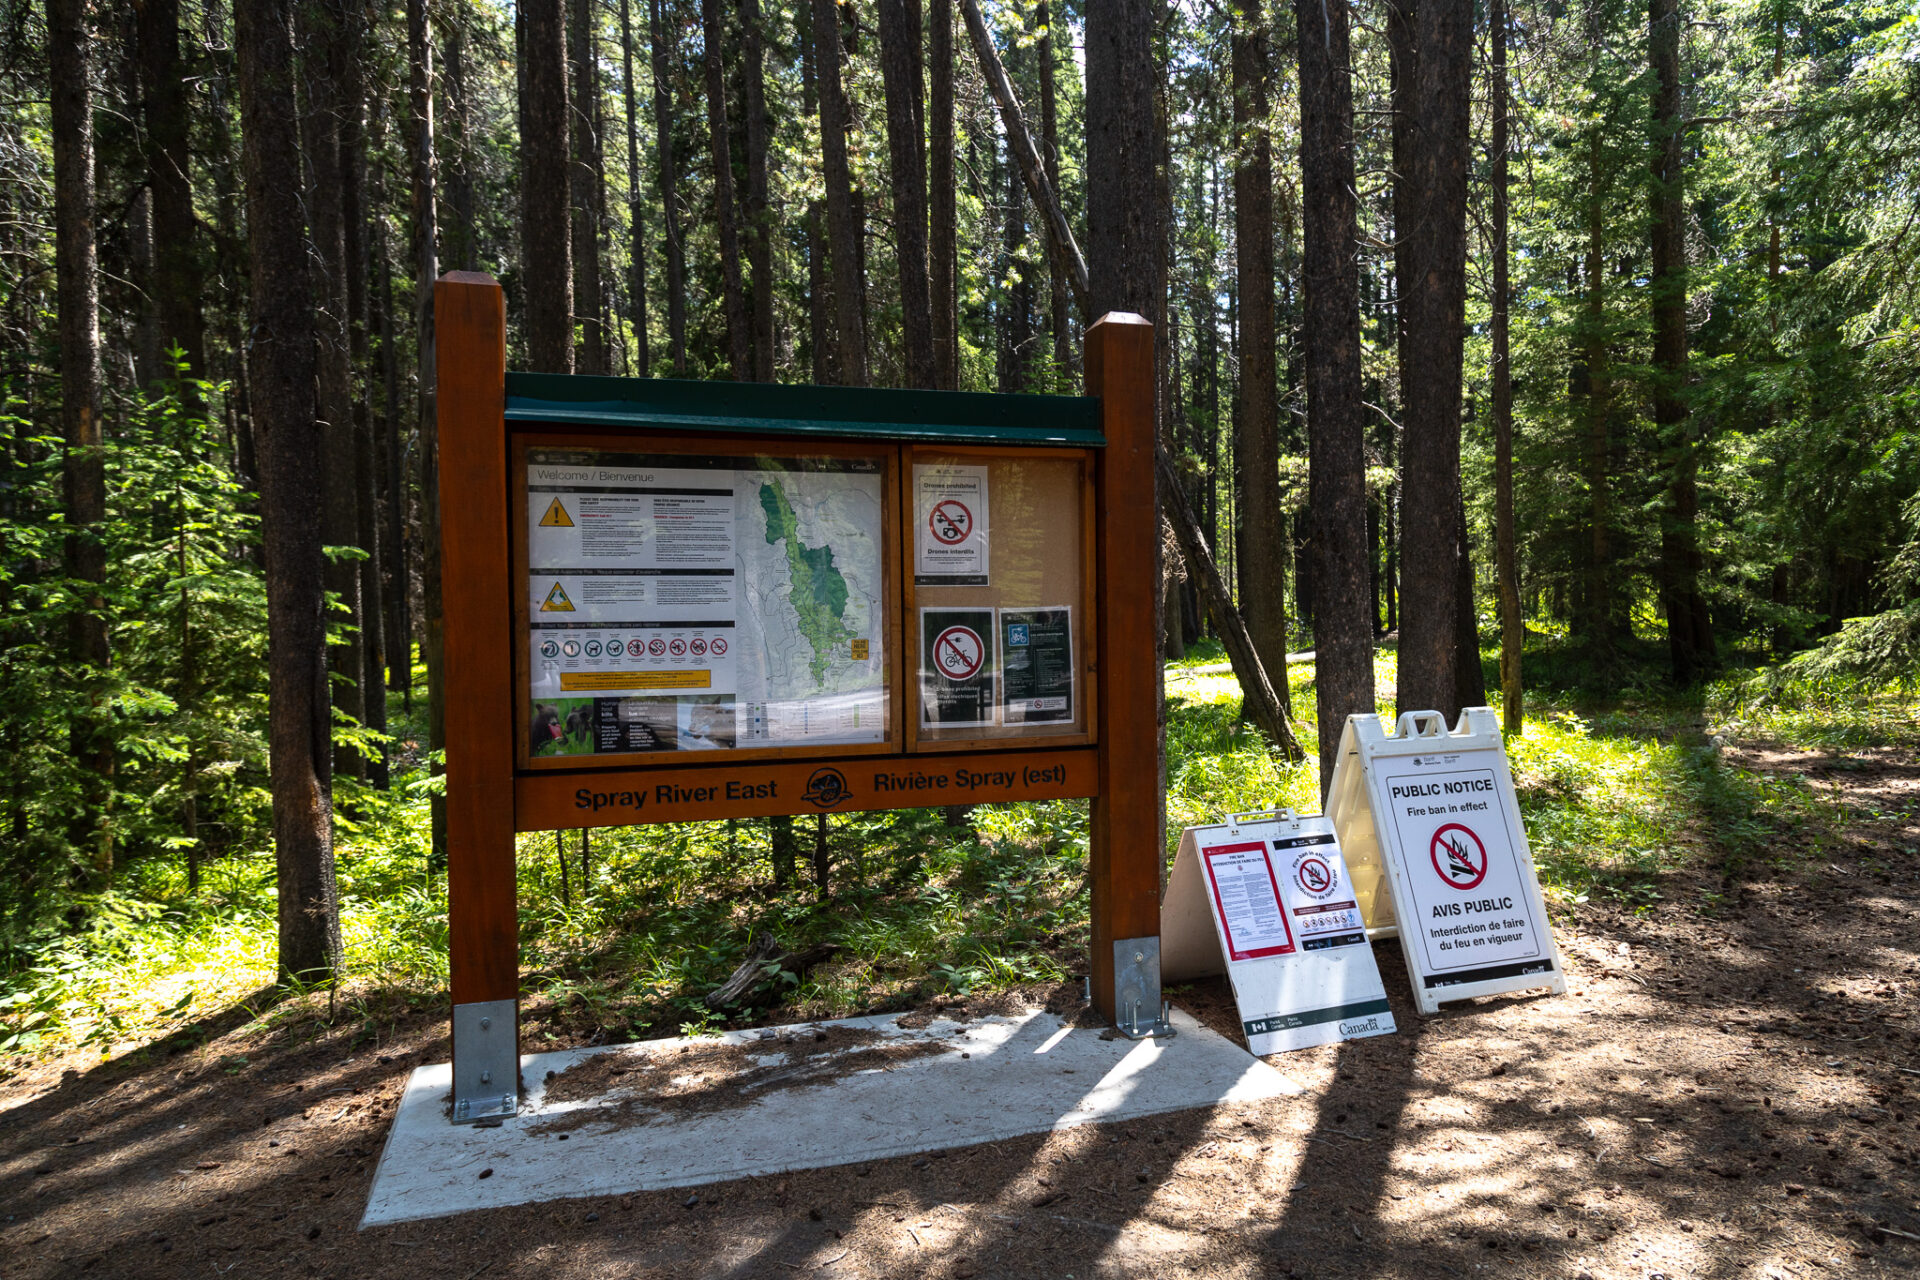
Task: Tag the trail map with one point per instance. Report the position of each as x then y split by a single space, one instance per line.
683 603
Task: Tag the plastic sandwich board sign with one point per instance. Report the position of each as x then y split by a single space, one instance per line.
1266 896
1432 816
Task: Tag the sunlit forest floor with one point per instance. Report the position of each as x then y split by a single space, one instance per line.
1725 1091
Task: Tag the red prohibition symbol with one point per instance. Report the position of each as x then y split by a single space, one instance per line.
1458 856
950 522
678 647
719 645
1314 875
656 646
959 652
698 646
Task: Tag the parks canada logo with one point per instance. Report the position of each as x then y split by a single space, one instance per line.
827 788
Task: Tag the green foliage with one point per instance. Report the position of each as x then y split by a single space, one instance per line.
185 696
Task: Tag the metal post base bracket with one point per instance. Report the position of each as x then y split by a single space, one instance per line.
1139 1012
486 1061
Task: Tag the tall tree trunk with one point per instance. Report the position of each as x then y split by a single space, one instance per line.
1689 636
843 222
636 224
77 287
1512 625
1330 328
1434 110
399 552
1138 91
726 220
169 121
1264 554
353 206
1057 317
426 268
667 177
281 374
1122 253
899 22
584 186
819 284
943 234
329 47
460 237
1598 614
545 237
758 208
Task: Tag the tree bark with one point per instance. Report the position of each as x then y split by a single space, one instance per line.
1119 24
169 121
1512 625
1330 328
426 268
585 184
459 234
281 374
326 32
820 342
545 237
667 177
353 205
758 209
943 234
1057 289
1264 554
1433 107
899 22
1689 635
843 222
733 293
77 290
1122 253
636 224
1598 614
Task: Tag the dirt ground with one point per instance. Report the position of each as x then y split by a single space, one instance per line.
1731 1088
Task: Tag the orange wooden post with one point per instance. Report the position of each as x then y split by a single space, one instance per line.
470 333
1129 811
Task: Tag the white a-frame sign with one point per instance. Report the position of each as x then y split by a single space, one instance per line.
1266 897
1431 815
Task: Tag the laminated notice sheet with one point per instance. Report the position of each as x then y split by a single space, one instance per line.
1267 897
681 603
950 524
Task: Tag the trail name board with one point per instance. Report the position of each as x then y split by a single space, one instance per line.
1431 815
673 601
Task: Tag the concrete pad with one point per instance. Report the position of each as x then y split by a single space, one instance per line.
1027 1074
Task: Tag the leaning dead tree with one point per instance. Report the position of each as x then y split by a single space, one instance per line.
1262 704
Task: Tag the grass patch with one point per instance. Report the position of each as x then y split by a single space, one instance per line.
1616 793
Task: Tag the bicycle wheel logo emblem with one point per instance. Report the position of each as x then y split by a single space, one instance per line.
1459 856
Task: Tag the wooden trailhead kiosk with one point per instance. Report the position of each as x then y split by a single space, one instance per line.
669 601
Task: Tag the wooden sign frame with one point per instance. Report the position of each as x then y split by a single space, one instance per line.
495 790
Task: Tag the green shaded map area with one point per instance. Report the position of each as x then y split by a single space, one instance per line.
819 593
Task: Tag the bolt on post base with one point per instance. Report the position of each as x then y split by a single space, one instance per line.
1139 1011
486 1061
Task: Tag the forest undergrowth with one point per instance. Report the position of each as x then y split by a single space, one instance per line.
625 940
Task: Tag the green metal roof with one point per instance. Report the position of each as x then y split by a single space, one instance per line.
753 408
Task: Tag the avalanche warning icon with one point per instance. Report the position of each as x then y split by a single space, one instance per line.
556 517
556 601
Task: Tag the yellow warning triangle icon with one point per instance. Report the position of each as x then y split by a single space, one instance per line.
556 601
556 517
